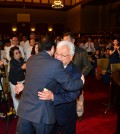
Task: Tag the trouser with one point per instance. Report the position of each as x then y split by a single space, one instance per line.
118 121
14 97
69 128
80 105
28 127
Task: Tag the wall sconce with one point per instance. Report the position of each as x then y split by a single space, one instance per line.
33 29
14 29
50 29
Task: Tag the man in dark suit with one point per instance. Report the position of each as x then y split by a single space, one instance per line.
64 101
43 71
81 60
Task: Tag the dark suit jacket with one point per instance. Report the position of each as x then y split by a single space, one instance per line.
43 71
81 60
65 101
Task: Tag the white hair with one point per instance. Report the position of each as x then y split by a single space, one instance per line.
67 43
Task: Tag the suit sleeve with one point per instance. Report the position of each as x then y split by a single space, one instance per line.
64 80
66 96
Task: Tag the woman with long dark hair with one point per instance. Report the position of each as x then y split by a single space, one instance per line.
35 49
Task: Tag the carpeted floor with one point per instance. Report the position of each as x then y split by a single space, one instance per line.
94 120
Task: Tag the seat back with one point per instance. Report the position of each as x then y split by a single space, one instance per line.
102 64
115 67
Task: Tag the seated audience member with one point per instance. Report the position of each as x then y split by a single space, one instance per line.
64 101
16 73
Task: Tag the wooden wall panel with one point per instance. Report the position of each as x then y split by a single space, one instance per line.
23 27
44 1
5 28
58 28
41 28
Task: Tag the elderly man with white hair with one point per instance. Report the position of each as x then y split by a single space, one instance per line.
64 101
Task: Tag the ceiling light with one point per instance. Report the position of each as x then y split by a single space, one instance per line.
57 4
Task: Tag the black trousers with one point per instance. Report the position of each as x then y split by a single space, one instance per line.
118 121
69 128
28 127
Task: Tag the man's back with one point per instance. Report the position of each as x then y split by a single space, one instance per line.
37 78
42 72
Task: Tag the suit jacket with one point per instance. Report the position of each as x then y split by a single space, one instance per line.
43 71
81 60
65 101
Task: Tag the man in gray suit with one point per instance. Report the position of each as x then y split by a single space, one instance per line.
43 71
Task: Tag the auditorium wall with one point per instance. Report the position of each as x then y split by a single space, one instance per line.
83 19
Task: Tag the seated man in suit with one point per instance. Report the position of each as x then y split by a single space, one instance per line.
43 71
64 101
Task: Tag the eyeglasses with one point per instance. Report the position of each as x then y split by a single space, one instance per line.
61 55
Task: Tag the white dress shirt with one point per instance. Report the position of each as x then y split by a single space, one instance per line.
25 46
28 52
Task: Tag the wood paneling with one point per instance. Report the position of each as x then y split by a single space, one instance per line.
23 27
5 28
41 28
44 1
58 28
